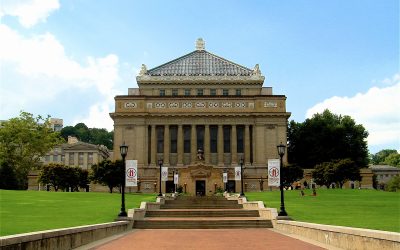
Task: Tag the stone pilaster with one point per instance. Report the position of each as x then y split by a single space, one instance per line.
180 146
153 146
247 145
193 144
166 145
220 145
207 144
234 145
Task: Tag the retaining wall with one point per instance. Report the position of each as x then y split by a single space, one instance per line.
342 237
66 238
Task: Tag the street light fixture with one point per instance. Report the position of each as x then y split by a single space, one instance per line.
241 176
281 152
160 163
124 151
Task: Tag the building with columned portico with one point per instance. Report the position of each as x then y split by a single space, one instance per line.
201 114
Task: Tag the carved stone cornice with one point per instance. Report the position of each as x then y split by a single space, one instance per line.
199 79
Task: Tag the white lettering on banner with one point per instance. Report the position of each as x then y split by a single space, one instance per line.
238 174
164 173
225 177
176 178
274 173
131 173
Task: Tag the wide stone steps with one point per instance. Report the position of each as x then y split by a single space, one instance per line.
202 213
202 223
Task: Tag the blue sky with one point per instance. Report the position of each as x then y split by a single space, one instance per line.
70 58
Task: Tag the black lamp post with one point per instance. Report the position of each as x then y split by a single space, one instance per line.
160 162
281 152
124 151
241 176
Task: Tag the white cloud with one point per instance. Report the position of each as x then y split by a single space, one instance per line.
378 110
28 12
36 70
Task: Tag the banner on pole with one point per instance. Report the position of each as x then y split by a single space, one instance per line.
274 173
131 173
176 178
225 177
164 173
238 174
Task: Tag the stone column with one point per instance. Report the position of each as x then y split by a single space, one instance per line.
166 145
180 146
193 144
234 146
247 145
207 154
153 145
220 146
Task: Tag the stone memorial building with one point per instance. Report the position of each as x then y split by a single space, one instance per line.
200 114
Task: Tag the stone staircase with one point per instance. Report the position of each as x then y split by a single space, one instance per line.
201 213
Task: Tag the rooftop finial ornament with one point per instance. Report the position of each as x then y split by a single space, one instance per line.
143 70
256 70
200 44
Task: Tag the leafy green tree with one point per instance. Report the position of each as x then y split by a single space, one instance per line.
8 178
98 136
108 173
52 174
291 173
393 159
394 184
23 141
380 157
326 137
345 170
323 174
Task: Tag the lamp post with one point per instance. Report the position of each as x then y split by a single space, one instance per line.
241 176
124 151
160 162
281 152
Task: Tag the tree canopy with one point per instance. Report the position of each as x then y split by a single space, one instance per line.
90 135
23 140
386 156
108 173
338 171
326 137
64 177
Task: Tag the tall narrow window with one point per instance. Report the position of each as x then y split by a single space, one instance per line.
238 92
162 92
174 92
149 145
240 138
227 139
173 130
80 159
186 139
71 159
225 92
200 137
187 92
200 92
213 139
90 158
213 92
160 139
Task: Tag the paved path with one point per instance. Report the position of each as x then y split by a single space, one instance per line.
204 239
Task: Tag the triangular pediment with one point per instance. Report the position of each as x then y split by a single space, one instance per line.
199 172
80 146
200 63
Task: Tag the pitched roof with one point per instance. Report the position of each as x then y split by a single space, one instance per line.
200 63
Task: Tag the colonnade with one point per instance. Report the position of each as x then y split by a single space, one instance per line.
218 154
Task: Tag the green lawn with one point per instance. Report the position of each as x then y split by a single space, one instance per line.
28 211
344 207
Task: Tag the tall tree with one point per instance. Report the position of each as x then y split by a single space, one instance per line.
23 140
108 173
98 136
326 137
386 156
291 173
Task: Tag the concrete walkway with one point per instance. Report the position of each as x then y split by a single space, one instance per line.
204 239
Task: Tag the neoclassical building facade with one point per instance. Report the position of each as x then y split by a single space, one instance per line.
200 114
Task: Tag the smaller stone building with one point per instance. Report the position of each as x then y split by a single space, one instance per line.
72 153
384 173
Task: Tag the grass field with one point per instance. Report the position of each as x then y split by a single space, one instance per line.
344 207
28 211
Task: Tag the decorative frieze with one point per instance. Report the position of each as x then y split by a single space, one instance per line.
200 105
160 105
130 105
270 104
